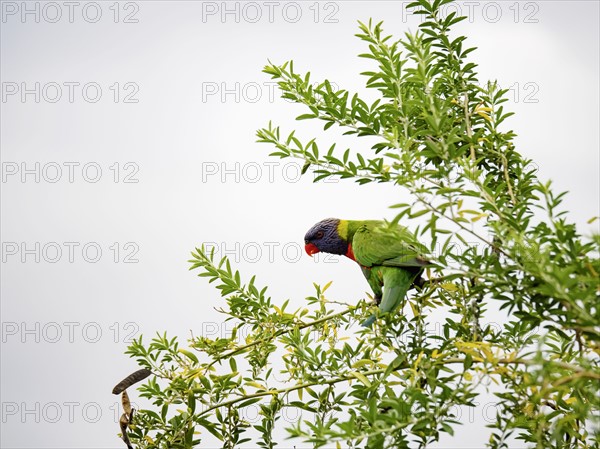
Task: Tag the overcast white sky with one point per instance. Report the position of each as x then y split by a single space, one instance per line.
164 98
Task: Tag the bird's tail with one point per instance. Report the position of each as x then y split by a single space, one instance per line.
369 321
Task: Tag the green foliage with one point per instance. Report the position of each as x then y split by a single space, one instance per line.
499 241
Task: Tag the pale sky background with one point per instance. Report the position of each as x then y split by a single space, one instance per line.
196 76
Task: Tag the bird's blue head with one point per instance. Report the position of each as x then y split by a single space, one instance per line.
325 237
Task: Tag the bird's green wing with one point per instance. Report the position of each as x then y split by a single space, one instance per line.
392 246
375 280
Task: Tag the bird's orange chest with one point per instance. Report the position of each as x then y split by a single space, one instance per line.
350 254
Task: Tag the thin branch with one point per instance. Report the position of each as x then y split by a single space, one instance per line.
278 334
579 372
468 125
577 375
290 389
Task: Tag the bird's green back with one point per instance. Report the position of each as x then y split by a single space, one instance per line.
379 243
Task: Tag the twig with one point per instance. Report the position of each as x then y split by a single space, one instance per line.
290 389
277 334
468 125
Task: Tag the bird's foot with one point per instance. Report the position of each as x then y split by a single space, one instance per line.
420 282
375 299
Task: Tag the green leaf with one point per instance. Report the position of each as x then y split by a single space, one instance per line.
361 377
189 355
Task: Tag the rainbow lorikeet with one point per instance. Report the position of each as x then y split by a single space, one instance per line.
389 256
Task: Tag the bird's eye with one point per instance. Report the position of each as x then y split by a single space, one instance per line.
319 234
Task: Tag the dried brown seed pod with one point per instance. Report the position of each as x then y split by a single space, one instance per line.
126 403
123 422
131 379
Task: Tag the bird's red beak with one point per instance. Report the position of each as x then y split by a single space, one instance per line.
311 249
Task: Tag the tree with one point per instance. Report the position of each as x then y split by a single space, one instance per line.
498 238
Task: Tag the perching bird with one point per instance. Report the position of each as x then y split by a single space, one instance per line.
389 255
